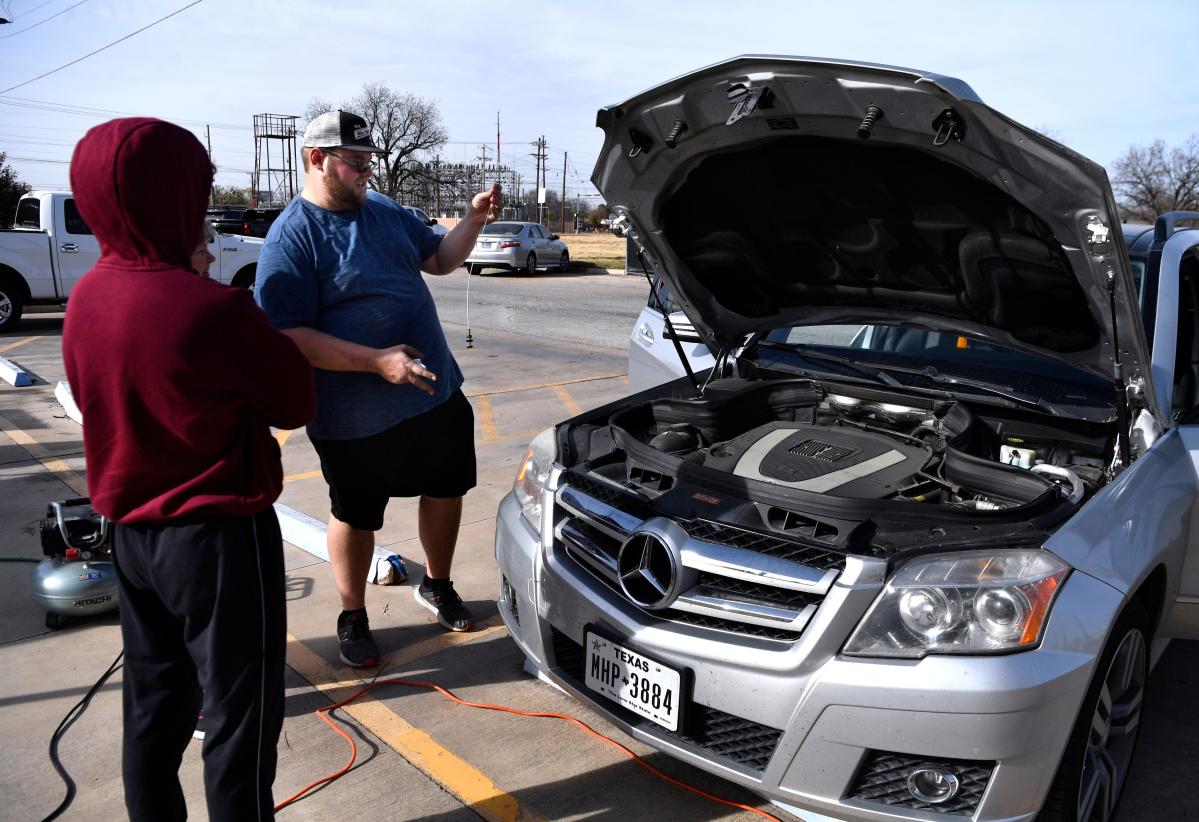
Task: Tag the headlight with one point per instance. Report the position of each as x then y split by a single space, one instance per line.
966 603
532 476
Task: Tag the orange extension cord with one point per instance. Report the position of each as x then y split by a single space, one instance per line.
324 714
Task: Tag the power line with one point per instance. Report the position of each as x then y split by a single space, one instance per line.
102 48
8 5
45 20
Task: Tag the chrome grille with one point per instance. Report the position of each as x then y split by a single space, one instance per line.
741 581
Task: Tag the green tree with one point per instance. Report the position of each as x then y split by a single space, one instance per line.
11 189
407 127
1151 180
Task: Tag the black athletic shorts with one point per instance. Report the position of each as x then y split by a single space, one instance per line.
430 455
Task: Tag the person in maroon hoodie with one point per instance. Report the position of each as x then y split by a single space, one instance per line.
179 379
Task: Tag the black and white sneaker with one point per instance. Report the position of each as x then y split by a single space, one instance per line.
355 644
441 598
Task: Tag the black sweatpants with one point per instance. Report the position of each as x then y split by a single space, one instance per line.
202 612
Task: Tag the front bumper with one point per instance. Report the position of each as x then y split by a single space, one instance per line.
805 727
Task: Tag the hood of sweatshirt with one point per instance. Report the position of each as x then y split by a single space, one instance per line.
142 185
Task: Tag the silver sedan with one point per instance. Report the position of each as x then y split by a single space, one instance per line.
518 247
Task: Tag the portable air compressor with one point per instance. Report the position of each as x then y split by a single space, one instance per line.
77 577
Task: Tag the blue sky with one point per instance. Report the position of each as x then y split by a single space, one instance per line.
1097 75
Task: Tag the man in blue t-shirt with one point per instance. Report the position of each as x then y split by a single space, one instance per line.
340 274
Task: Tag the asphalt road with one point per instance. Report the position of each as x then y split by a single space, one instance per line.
575 308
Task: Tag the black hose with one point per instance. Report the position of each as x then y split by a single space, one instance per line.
19 559
64 726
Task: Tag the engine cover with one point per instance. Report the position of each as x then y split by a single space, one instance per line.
837 460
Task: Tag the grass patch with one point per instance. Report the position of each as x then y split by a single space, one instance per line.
595 250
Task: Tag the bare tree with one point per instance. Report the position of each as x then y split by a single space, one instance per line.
1151 180
407 127
231 195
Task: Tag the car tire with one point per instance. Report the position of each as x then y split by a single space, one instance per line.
531 264
246 277
1099 753
564 262
12 301
474 268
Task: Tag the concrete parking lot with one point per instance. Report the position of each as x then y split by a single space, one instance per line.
420 756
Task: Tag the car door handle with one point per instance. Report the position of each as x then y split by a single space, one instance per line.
69 248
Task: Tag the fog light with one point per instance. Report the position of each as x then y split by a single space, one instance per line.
933 785
508 596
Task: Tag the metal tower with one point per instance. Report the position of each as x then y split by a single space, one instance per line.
274 159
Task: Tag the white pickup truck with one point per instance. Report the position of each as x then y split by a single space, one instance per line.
50 247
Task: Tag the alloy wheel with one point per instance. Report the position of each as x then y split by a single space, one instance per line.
1113 733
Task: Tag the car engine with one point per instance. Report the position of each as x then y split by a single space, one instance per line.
779 451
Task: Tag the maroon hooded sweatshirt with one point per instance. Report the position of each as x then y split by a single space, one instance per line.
178 377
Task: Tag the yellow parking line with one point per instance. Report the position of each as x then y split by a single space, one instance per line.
519 388
410 653
301 476
572 407
40 453
10 346
486 419
466 782
281 437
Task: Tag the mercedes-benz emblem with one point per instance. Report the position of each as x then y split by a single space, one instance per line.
648 570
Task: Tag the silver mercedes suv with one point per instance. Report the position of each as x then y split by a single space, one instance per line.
919 572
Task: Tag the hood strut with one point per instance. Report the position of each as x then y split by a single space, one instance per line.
674 338
1122 410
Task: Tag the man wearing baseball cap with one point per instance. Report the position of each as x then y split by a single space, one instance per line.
340 274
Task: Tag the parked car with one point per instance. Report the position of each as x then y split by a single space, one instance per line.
50 247
228 219
518 247
909 548
431 222
256 222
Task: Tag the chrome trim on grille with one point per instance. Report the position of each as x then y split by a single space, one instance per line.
594 531
768 615
617 523
573 536
754 567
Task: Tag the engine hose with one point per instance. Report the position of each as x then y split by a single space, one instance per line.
1077 488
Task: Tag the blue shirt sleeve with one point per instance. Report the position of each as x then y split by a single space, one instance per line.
286 284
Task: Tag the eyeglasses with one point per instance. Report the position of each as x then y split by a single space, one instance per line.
360 167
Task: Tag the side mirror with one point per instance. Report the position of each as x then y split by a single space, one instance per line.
432 221
553 236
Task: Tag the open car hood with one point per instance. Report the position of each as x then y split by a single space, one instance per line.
756 189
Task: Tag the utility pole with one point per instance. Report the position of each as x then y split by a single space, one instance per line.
497 138
562 230
482 167
208 138
540 183
437 184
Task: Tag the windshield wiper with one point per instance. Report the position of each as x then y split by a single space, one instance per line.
805 352
933 375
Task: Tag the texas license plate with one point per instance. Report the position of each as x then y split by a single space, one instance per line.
643 685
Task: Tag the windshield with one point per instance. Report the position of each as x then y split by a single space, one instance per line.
506 229
911 354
